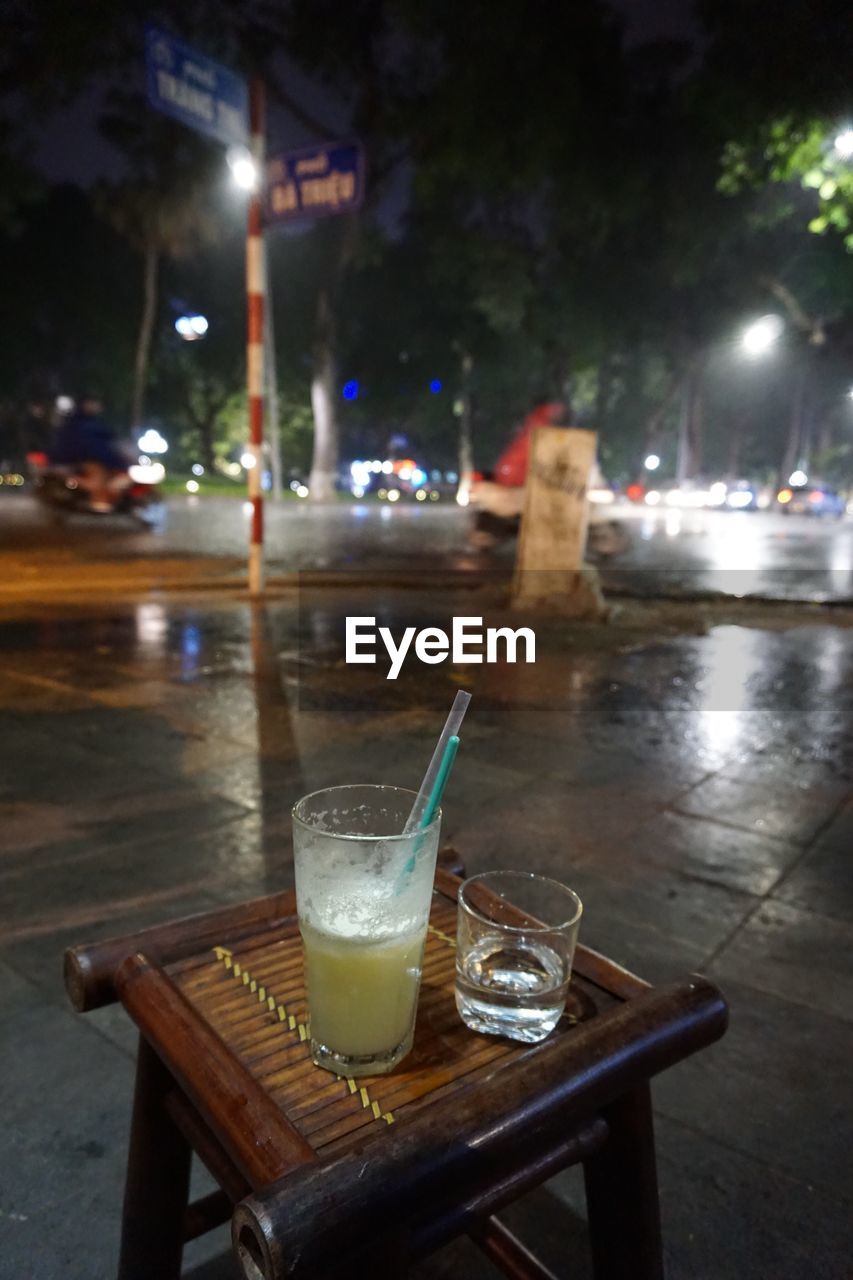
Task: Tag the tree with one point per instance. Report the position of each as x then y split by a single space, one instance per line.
165 208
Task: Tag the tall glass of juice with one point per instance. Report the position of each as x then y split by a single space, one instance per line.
363 894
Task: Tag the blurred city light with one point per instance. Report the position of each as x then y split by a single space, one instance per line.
393 495
197 469
652 462
350 391
798 477
152 442
421 495
151 473
419 477
844 144
247 460
739 498
64 404
435 386
758 338
192 486
191 328
386 468
360 472
357 491
244 171
302 491
652 498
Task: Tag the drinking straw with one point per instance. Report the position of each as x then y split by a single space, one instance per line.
437 764
440 782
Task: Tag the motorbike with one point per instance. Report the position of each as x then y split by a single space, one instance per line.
133 491
496 511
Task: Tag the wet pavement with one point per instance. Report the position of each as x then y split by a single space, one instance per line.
671 552
690 774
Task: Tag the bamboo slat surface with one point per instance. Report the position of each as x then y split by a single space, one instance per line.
252 994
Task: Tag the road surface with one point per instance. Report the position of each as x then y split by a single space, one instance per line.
736 553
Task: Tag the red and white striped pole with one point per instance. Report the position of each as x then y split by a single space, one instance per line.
256 300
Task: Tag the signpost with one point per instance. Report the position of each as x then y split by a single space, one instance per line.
314 182
194 89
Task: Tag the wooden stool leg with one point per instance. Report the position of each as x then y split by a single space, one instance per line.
622 1194
158 1179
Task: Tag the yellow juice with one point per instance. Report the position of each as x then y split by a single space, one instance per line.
361 993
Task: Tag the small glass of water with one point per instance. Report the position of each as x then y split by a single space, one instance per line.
515 942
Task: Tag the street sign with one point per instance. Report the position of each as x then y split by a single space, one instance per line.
195 90
315 182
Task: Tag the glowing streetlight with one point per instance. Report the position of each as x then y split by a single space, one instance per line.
844 144
758 338
244 171
152 442
652 462
191 328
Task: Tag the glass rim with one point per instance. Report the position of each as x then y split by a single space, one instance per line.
533 927
363 786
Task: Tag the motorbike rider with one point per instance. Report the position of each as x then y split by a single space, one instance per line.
499 501
85 441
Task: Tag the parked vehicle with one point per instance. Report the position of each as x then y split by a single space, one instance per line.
810 500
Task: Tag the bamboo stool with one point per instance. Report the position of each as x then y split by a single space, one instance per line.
341 1178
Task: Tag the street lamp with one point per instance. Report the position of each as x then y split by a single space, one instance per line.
759 337
152 442
244 171
652 462
191 328
844 144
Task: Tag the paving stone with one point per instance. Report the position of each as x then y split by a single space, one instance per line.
745 1090
794 814
66 1108
797 954
706 850
822 880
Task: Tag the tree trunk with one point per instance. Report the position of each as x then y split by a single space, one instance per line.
146 333
793 444
205 427
466 451
654 425
324 464
603 393
691 428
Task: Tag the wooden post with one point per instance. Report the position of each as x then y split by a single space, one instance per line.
548 567
158 1179
622 1194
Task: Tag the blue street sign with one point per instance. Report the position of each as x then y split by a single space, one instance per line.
314 182
195 90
